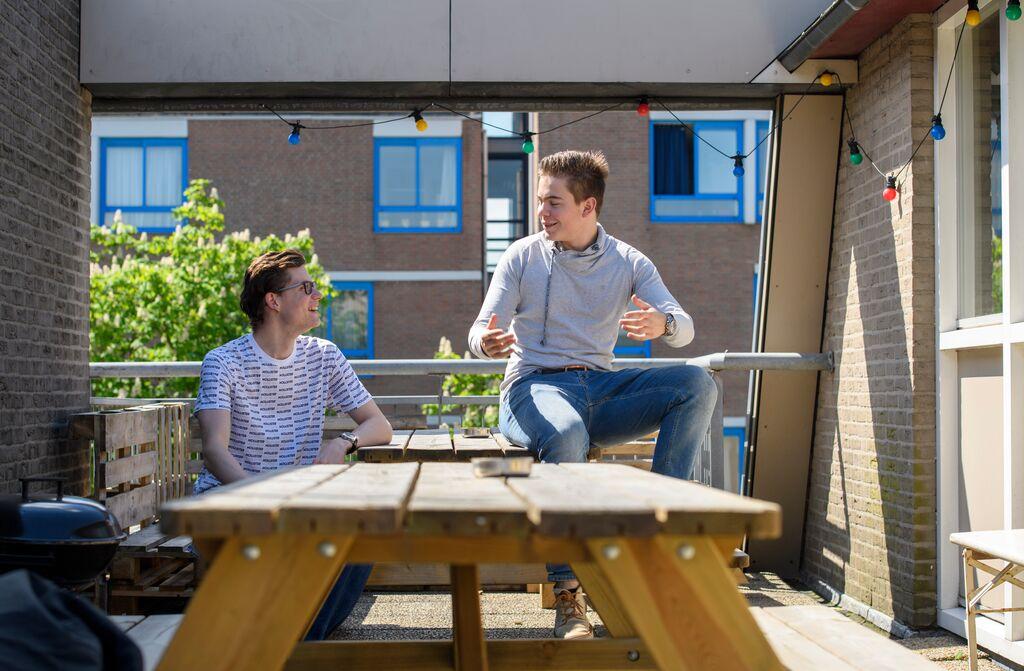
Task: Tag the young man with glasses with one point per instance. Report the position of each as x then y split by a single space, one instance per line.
555 307
262 399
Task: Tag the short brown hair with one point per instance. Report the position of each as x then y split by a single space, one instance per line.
267 273
583 171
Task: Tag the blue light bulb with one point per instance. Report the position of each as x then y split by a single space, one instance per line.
293 137
938 131
737 163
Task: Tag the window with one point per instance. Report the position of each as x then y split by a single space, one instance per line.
144 178
417 186
506 204
348 320
980 123
624 347
690 181
761 130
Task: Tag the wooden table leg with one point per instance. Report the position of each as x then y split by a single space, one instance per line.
467 621
255 602
604 599
969 589
684 603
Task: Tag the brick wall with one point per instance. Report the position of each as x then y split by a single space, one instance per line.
44 224
870 525
707 267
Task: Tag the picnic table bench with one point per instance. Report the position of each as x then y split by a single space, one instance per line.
652 553
440 445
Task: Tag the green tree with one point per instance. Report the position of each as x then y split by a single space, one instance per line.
174 297
466 384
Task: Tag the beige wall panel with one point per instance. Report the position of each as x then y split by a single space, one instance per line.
797 247
981 450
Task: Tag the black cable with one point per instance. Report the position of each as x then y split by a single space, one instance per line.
945 90
293 124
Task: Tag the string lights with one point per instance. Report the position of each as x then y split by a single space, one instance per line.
643 108
973 14
421 123
737 162
856 158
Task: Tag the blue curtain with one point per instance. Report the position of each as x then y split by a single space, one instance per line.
673 160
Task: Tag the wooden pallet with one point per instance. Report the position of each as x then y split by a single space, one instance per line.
140 457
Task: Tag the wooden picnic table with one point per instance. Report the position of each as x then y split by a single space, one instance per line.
652 553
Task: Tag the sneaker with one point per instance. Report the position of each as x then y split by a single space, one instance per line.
571 615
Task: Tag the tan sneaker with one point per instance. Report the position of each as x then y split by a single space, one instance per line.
571 615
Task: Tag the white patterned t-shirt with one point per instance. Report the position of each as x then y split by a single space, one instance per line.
277 405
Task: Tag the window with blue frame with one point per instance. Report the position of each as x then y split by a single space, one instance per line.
761 130
348 319
691 181
624 347
417 185
145 179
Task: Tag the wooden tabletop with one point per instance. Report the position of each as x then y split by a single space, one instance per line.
1007 544
568 500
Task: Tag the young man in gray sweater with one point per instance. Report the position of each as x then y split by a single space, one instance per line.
554 308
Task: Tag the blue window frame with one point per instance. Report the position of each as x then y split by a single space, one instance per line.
145 179
761 130
348 321
417 185
624 347
740 434
690 181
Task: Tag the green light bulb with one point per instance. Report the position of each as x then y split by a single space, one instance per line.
857 158
1013 11
527 146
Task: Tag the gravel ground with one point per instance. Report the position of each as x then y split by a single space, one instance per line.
427 615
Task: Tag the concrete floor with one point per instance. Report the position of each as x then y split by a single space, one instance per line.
427 615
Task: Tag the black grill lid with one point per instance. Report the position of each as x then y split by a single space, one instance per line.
57 519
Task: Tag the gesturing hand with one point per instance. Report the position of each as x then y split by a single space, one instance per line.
643 324
494 341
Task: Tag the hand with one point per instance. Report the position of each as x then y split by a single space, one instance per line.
494 341
333 451
643 324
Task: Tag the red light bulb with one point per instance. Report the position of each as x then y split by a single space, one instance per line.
890 192
644 108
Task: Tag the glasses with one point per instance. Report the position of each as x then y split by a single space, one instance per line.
308 286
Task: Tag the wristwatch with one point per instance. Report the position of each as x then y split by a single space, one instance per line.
670 325
352 438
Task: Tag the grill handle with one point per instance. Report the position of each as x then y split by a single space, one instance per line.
25 482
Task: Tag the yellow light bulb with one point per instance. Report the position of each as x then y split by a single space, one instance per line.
421 124
973 17
826 79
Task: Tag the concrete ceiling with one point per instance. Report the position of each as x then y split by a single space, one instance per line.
337 49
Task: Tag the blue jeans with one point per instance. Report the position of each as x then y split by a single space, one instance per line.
341 600
558 416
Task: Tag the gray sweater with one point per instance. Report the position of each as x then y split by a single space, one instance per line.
564 306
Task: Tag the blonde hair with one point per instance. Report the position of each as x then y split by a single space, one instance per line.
583 171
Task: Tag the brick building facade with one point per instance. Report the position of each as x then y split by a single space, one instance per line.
44 223
327 184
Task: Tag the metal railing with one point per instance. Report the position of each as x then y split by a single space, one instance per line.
713 467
